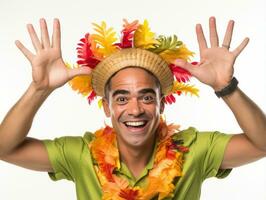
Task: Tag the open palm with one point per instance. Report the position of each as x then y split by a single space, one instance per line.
48 68
216 62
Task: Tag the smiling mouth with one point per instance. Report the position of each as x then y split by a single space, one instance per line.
135 124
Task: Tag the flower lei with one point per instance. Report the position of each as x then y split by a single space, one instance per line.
167 165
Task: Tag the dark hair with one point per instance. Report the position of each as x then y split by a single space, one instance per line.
107 86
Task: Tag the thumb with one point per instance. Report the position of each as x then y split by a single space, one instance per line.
185 65
79 71
190 67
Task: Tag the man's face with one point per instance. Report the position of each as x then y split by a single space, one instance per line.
134 106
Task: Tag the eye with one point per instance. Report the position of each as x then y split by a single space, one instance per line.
148 98
121 100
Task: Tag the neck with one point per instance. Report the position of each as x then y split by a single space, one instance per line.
136 158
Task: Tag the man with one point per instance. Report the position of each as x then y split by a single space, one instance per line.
127 162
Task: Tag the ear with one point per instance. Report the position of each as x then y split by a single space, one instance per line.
162 105
106 107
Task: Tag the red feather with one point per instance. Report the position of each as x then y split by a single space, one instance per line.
169 99
180 74
127 34
92 96
85 54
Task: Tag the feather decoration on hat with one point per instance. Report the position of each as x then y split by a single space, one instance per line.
144 38
105 37
93 48
86 56
169 99
170 48
81 84
181 75
181 88
179 53
128 34
166 43
92 96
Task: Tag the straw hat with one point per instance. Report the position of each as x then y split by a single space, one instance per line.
132 57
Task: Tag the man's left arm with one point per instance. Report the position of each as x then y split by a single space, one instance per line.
251 145
216 69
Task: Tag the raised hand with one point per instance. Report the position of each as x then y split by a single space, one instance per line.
48 68
216 65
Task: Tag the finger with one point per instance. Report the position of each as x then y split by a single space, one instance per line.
79 71
241 47
34 38
213 32
201 38
56 41
24 50
228 34
44 34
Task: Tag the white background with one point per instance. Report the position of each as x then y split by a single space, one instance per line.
66 113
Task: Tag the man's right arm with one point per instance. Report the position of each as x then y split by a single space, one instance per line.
48 73
14 146
30 154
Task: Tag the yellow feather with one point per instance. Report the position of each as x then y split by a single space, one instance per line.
105 38
185 88
100 103
143 37
81 84
180 53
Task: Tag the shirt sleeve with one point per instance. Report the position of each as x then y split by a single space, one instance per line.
64 154
211 147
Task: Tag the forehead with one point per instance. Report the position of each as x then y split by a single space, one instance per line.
132 78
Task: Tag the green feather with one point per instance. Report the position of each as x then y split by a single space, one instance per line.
166 43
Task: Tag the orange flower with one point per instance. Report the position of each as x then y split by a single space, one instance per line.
129 194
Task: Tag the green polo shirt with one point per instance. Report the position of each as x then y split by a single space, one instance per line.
71 159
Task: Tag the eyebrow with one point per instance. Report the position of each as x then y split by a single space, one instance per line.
117 92
147 90
142 91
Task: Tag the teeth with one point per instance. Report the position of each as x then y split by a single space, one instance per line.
135 123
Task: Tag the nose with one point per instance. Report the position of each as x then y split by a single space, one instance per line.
135 108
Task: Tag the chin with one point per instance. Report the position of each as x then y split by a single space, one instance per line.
138 139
